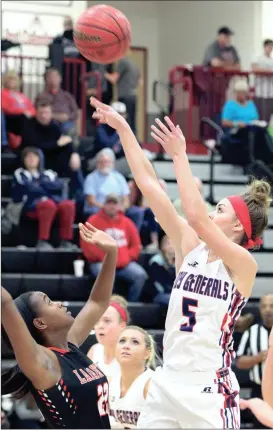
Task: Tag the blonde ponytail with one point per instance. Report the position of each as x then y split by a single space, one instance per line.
151 362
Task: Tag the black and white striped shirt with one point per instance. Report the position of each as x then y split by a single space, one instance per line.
254 340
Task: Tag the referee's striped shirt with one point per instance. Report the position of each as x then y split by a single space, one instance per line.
254 340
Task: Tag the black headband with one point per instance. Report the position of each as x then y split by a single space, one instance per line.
26 312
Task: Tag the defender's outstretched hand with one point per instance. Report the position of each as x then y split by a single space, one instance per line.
92 235
107 115
171 137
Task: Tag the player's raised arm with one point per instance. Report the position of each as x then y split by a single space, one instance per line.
233 224
146 179
33 359
100 295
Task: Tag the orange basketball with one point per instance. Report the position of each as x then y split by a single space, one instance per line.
102 34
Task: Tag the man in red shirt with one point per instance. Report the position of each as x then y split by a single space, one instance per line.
112 220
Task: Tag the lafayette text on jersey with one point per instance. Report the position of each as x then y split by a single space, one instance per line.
203 309
79 400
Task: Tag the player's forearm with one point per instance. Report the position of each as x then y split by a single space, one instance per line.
192 202
267 387
263 412
247 361
103 287
140 166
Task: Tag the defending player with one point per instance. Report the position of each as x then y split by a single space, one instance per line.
69 389
107 330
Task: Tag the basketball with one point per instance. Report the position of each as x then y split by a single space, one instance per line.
102 34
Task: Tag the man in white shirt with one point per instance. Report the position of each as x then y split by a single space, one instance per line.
264 84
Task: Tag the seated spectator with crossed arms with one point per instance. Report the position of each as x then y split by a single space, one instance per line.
41 191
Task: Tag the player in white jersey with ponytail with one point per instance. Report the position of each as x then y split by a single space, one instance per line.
196 388
107 331
135 353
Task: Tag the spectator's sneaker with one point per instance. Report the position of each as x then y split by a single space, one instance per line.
44 245
65 244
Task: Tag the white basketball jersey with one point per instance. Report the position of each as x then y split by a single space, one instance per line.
110 369
203 309
124 412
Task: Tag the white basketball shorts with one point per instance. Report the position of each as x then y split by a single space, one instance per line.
199 400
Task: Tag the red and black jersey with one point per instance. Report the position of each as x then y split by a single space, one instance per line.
79 400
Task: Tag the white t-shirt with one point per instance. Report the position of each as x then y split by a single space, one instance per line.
110 369
124 412
264 84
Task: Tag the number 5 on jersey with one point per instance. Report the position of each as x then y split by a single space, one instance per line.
103 404
187 311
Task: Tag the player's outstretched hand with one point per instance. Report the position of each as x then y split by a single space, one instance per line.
170 137
107 115
251 403
92 235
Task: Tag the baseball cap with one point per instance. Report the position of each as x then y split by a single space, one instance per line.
112 198
226 30
241 85
119 107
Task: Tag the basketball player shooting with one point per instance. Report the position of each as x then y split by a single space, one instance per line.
195 387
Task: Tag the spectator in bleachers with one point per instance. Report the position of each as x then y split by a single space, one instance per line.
13 101
221 53
162 271
64 106
61 48
178 205
143 216
4 137
264 84
240 120
253 348
44 133
127 77
111 220
41 192
103 181
241 111
107 137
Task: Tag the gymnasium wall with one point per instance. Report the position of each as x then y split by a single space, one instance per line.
143 16
189 26
34 23
178 32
